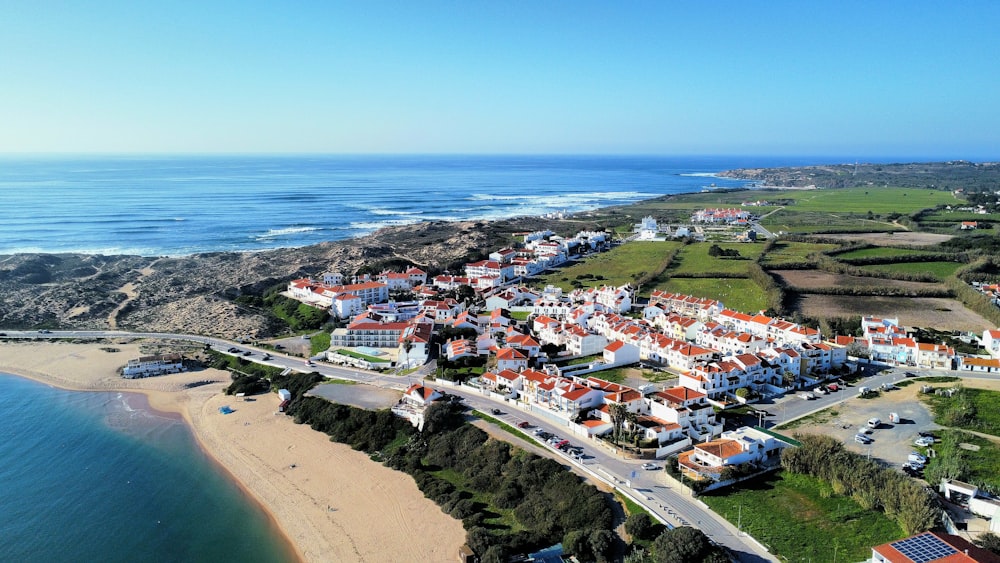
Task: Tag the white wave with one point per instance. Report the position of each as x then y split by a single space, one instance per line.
384 211
271 233
701 174
376 225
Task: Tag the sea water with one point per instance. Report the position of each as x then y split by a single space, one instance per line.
97 476
178 205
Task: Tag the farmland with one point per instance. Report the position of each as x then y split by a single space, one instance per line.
879 252
941 313
788 251
694 259
815 279
939 269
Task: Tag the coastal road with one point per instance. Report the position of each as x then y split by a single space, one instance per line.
656 490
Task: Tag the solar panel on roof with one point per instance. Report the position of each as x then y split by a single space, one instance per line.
924 548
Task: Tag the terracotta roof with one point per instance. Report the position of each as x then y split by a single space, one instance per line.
723 449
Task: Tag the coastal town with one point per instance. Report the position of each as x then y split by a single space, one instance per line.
542 350
653 393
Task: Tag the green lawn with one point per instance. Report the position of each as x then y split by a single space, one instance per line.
735 293
877 200
794 221
785 251
619 266
879 252
372 359
694 258
958 216
799 519
939 269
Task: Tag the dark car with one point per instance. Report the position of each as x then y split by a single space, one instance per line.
2 334
524 424
248 353
495 411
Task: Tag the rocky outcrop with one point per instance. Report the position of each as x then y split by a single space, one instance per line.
197 293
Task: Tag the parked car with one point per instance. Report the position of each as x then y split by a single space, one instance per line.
248 353
523 424
913 469
909 374
821 390
561 444
926 434
862 439
538 432
650 466
832 387
923 442
44 331
495 411
874 422
914 457
806 396
233 350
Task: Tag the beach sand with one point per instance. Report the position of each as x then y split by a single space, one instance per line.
332 503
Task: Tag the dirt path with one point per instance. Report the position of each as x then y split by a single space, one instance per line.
131 292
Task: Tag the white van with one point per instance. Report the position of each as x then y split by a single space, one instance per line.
874 422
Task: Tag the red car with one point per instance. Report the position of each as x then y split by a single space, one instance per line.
523 424
832 387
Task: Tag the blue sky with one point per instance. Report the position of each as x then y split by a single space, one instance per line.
855 79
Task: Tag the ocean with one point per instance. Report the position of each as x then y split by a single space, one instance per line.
180 205
100 477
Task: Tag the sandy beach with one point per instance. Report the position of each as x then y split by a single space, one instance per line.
331 502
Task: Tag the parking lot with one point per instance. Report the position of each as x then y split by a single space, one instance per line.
890 442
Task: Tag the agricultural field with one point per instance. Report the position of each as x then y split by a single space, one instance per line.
907 238
694 259
739 294
619 266
883 200
956 217
937 312
940 270
800 519
814 279
791 220
787 251
879 252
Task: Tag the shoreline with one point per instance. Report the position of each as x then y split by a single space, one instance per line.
308 487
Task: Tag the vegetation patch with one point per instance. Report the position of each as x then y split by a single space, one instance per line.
621 265
818 417
940 270
966 408
879 252
976 465
797 517
697 259
736 293
319 343
783 251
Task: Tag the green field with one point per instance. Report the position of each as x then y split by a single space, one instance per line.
794 221
957 216
799 519
619 266
786 251
694 259
969 409
738 294
882 200
879 252
939 269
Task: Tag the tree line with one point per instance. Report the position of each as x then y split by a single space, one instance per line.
868 483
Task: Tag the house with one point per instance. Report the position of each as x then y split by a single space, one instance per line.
991 341
620 353
148 366
525 344
969 225
421 395
511 359
979 365
932 547
743 445
458 348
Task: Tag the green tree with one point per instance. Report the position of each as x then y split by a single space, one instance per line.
684 545
989 541
640 526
